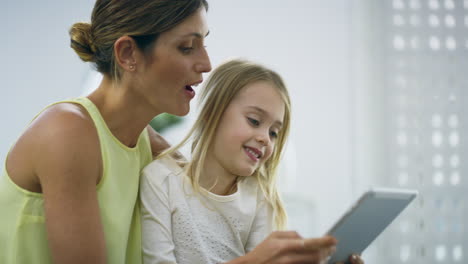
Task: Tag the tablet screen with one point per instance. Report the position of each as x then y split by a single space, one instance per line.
367 218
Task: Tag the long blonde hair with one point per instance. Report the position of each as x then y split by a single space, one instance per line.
224 83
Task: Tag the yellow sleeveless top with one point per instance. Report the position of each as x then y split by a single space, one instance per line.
23 237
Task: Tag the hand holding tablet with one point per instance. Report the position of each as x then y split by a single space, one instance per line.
366 219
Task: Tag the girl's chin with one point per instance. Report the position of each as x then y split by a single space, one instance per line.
245 173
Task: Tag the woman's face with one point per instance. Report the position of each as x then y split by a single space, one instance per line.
178 60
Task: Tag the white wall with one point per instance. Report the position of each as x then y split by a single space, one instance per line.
38 65
306 41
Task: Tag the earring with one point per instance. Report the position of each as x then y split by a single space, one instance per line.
132 67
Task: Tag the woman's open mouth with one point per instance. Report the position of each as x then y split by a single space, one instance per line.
189 91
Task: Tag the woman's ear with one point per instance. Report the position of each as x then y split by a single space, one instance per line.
125 50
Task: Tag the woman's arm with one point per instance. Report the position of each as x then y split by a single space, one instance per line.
159 144
66 158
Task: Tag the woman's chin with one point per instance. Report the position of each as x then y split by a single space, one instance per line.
180 112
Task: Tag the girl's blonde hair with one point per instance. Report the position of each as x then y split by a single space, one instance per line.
224 83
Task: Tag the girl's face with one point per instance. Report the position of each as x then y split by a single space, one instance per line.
178 60
248 130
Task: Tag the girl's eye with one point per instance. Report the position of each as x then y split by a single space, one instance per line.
186 50
253 121
273 134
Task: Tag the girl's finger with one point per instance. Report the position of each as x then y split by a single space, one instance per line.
320 243
299 258
356 259
286 234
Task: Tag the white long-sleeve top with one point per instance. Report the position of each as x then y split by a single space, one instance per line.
182 226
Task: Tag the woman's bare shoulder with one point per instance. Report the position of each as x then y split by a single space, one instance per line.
63 123
63 137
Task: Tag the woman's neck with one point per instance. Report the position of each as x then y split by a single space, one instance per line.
123 114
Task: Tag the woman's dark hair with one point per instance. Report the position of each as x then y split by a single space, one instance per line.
143 20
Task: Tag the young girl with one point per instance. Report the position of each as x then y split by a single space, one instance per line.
223 202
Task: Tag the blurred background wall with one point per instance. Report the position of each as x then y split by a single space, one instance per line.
363 76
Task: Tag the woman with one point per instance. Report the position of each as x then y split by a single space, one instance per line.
70 182
69 188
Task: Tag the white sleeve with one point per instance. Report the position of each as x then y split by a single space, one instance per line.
262 225
156 224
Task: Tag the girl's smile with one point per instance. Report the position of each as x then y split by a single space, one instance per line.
246 135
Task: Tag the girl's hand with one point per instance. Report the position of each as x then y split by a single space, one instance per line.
288 247
354 259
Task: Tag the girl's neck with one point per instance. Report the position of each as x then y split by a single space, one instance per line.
216 179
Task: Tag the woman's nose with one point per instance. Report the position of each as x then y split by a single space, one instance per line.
204 64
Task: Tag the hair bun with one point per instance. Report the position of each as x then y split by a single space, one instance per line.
81 41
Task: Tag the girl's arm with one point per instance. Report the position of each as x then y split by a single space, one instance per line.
62 147
262 224
156 227
287 247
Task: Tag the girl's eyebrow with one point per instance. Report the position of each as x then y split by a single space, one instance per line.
262 111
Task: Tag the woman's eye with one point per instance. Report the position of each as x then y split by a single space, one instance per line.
186 50
253 121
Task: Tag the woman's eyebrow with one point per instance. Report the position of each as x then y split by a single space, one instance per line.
196 34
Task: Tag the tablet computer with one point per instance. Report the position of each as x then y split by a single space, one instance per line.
366 219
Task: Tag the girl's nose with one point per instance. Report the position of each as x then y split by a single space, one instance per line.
263 138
